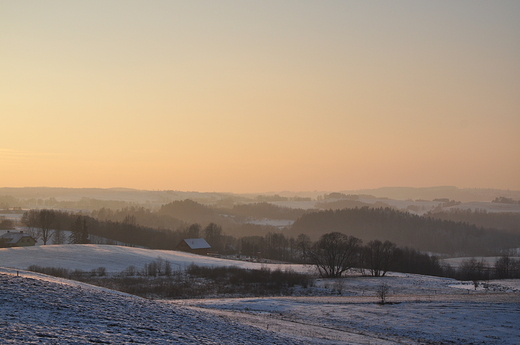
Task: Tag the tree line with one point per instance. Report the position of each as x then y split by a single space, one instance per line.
377 257
158 280
423 233
48 225
509 221
504 200
505 267
333 253
454 233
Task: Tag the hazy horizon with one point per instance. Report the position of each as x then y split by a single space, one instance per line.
251 97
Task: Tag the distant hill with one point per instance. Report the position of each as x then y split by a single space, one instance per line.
190 211
405 229
93 198
431 193
159 197
497 220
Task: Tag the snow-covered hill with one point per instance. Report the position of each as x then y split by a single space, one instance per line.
422 310
40 310
114 258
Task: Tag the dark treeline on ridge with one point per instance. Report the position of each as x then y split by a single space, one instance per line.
405 229
126 231
496 220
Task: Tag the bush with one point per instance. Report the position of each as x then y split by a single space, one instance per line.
52 271
196 281
382 292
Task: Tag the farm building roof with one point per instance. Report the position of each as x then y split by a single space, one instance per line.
197 243
14 237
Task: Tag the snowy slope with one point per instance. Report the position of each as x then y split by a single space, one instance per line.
443 319
424 310
113 258
50 311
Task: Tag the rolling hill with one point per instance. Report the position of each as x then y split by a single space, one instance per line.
41 309
114 258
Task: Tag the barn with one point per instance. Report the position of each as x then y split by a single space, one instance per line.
194 245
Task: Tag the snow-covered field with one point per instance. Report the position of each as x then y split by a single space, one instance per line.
354 320
115 258
41 310
421 310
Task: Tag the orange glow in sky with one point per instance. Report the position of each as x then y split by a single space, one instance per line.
242 96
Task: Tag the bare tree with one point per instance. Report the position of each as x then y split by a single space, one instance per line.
40 223
507 267
303 245
47 220
276 246
334 253
6 224
213 234
79 232
58 237
473 269
382 292
379 257
193 231
30 221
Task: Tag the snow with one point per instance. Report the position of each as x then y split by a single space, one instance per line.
116 258
36 311
12 237
197 243
424 310
421 309
409 321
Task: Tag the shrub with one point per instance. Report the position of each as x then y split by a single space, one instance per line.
382 292
52 271
196 281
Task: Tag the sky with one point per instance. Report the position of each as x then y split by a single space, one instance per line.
257 96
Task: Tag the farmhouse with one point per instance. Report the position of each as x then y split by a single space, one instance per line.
194 245
18 239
